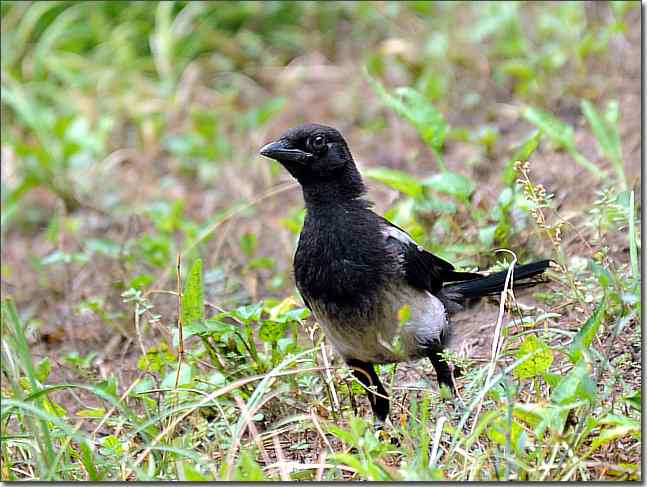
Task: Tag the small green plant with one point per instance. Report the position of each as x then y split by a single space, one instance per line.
129 136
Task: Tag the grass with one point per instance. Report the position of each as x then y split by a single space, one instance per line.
150 325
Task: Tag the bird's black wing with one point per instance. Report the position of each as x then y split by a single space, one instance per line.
422 269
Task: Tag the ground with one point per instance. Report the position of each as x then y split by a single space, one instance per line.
76 309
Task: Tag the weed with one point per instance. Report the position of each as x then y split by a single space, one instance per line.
129 136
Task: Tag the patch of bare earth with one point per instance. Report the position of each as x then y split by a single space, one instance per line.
318 90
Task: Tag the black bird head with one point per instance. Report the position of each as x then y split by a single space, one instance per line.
319 158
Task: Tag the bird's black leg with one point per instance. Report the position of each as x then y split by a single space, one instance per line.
365 373
443 373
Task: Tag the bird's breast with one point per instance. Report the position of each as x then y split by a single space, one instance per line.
379 330
341 263
356 285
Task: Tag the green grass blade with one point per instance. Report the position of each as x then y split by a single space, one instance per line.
87 459
522 153
193 297
402 181
417 110
605 130
10 313
562 135
585 336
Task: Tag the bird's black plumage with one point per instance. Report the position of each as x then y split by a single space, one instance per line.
355 270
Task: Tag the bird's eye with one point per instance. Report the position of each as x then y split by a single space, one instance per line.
318 142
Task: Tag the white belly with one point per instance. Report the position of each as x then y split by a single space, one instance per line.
378 337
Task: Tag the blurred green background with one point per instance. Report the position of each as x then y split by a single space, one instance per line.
121 111
130 133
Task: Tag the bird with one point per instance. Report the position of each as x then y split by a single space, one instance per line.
379 296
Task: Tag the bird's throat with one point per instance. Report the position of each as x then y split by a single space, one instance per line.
344 189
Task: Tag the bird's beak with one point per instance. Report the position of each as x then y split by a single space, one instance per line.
280 151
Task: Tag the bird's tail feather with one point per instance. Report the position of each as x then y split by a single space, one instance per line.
493 284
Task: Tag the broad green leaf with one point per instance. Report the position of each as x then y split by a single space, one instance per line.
215 326
185 376
216 379
617 420
296 314
284 306
262 262
259 115
634 400
603 275
156 358
26 109
403 182
586 334
452 184
559 132
540 416
54 408
344 435
522 153
578 384
417 109
183 144
112 445
194 328
142 386
429 122
505 199
87 459
538 363
271 331
347 459
248 243
248 469
552 379
193 297
486 235
611 434
518 69
249 312
43 368
108 386
295 222
288 310
497 432
440 206
483 421
187 473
